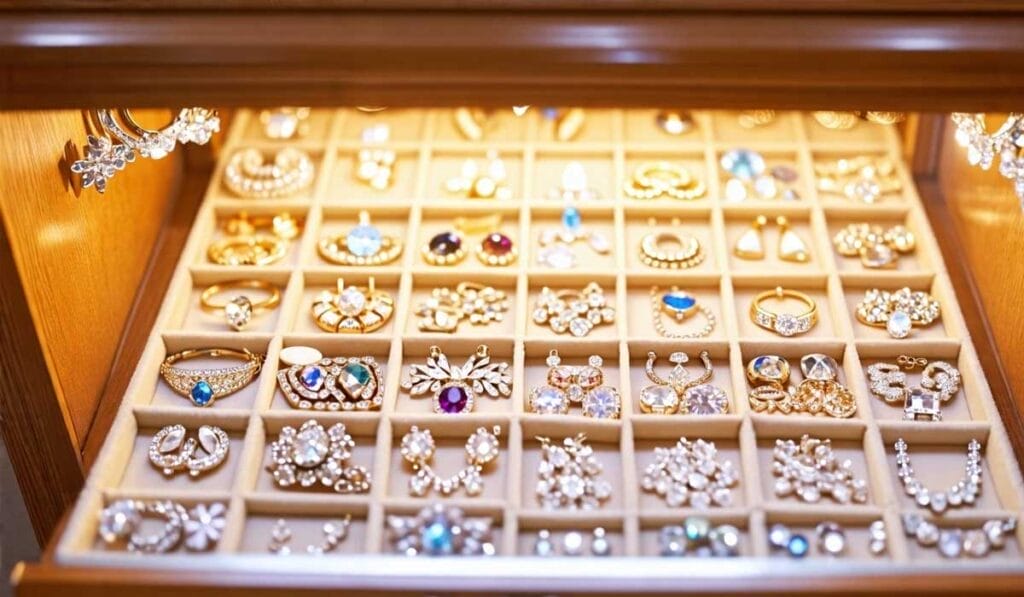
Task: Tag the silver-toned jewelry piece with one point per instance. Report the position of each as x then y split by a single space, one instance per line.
878 538
199 529
418 447
455 389
569 476
104 158
689 474
680 305
574 311
334 384
556 243
489 183
953 542
171 452
582 385
447 307
574 185
249 175
440 530
898 311
696 537
810 471
313 455
940 381
830 540
982 148
679 393
334 531
750 177
374 164
572 544
962 493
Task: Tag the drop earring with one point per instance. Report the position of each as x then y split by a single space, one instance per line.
791 247
750 245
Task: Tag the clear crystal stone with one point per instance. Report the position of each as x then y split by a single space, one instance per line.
310 446
351 301
238 312
899 324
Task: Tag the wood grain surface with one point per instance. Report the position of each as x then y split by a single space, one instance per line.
844 60
72 270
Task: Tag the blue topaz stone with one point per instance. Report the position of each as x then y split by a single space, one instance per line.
436 537
202 393
743 163
364 240
354 378
312 377
679 303
798 545
571 219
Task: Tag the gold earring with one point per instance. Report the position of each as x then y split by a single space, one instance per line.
791 246
750 244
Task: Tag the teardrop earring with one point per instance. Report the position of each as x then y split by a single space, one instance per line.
791 246
750 244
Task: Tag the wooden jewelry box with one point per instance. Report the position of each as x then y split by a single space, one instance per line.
612 143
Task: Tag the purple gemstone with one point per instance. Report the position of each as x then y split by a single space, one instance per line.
453 399
497 244
446 243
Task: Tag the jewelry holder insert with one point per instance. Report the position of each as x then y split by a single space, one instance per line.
417 207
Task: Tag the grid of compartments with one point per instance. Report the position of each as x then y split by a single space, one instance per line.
611 144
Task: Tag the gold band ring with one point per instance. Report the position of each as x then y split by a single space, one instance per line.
255 250
784 324
239 310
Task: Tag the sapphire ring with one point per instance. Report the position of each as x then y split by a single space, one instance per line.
204 386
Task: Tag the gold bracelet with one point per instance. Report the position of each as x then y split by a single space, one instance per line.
257 249
203 386
784 324
239 310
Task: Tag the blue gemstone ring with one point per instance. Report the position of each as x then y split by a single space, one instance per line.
204 386
362 245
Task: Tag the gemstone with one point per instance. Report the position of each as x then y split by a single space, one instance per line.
118 520
696 528
819 366
866 190
238 312
950 543
418 445
557 257
300 355
679 302
766 187
548 401
921 403
898 325
599 545
572 543
976 543
172 441
543 547
572 486
354 377
364 240
743 163
312 376
497 244
725 540
574 178
877 255
674 123
671 540
445 243
831 539
437 538
770 366
798 545
659 399
351 301
735 190
778 536
310 446
602 403
453 399
787 325
571 219
483 446
208 439
706 399
785 174
202 393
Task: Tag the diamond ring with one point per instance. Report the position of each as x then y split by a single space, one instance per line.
239 310
784 324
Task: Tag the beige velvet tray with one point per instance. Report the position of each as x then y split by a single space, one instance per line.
415 208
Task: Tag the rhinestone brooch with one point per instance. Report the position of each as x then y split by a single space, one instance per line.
940 381
689 474
811 470
679 393
440 530
334 384
582 385
314 455
171 452
353 309
455 389
898 311
576 312
199 528
569 476
418 447
446 307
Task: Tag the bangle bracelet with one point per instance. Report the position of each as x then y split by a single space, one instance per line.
784 324
203 386
258 249
239 310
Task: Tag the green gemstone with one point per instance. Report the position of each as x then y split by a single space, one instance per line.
354 377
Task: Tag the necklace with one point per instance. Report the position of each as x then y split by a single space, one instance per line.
964 491
681 305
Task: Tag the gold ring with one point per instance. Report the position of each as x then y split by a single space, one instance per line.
651 180
784 324
258 249
353 309
363 245
203 386
239 310
689 254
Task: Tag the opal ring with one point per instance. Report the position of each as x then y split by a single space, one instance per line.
239 310
333 384
784 324
203 386
353 309
363 245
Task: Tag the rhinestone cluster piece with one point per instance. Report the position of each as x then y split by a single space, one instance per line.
418 447
953 542
313 455
898 311
582 385
690 474
170 450
573 312
334 384
810 470
569 476
963 493
440 530
198 528
697 537
982 148
455 388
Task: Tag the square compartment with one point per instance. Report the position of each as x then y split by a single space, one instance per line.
406 126
772 159
219 190
856 285
642 128
469 508
306 522
855 527
535 371
337 345
192 317
480 221
706 288
739 221
500 127
838 197
838 218
576 282
598 125
344 188
863 134
718 351
651 525
261 215
447 165
313 130
727 128
531 525
548 168
693 162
